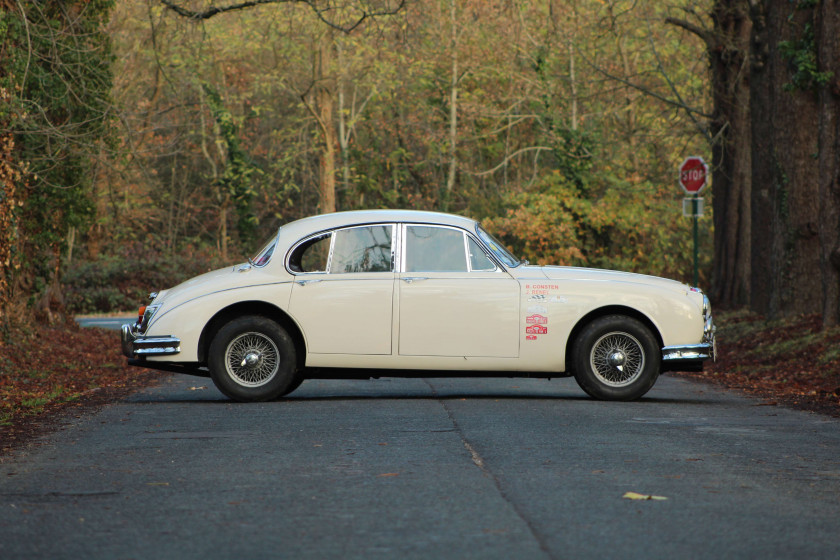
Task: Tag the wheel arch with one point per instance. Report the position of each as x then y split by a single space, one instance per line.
257 308
603 312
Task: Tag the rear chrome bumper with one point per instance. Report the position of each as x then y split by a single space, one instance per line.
134 344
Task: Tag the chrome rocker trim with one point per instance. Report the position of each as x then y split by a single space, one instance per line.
138 345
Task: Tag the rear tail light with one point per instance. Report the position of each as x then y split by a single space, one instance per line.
140 313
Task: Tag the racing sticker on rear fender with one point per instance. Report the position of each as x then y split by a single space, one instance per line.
536 329
536 319
530 337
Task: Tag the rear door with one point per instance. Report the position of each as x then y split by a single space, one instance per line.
343 293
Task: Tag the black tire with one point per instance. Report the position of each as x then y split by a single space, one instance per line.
616 358
253 358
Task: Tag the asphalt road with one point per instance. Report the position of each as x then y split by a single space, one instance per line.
453 468
112 323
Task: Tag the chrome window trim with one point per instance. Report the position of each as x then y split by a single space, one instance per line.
345 228
496 265
253 261
300 242
332 234
496 259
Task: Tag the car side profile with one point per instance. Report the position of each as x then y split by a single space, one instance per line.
397 293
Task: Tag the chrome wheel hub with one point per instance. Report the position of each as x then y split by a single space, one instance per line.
252 359
617 359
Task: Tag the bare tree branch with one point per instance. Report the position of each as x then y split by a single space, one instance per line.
704 34
679 103
319 10
510 157
703 129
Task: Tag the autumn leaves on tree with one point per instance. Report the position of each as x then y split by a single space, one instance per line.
179 127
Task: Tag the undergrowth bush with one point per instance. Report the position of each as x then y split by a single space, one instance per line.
121 282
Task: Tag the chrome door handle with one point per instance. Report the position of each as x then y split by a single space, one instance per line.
305 282
411 279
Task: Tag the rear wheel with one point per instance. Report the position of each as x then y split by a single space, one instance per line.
616 358
253 358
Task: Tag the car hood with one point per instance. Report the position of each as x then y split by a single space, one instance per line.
601 275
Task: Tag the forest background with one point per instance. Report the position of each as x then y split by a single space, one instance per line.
144 142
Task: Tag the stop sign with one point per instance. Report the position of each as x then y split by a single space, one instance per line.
693 172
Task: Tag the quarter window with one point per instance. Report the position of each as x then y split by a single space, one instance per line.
478 260
311 255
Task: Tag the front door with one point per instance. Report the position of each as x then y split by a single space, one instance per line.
453 300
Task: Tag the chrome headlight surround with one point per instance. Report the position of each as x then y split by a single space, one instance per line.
147 317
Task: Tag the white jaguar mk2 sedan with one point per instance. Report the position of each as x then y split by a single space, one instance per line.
416 294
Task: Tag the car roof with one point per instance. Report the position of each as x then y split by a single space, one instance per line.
321 222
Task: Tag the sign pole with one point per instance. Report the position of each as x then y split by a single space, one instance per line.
692 178
696 235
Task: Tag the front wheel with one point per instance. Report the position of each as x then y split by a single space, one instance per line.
616 358
253 359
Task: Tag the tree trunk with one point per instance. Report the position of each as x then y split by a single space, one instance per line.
785 177
325 104
728 47
731 157
453 109
9 178
828 60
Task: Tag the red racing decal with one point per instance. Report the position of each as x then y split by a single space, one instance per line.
530 337
536 329
536 320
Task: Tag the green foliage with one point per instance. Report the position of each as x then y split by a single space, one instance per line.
802 57
57 67
240 175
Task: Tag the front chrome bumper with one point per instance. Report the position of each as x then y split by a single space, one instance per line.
693 352
692 356
134 344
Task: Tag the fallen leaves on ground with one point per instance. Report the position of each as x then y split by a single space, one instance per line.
45 370
790 361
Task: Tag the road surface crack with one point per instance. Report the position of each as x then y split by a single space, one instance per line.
479 462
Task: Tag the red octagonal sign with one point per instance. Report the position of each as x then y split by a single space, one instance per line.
693 172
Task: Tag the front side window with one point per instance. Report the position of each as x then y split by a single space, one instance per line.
362 249
434 249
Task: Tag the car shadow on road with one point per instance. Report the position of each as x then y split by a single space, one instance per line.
457 396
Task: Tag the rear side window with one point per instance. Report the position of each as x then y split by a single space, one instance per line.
362 249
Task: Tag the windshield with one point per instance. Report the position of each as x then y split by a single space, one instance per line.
498 249
264 254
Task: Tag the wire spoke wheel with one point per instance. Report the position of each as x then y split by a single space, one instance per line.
617 359
252 359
